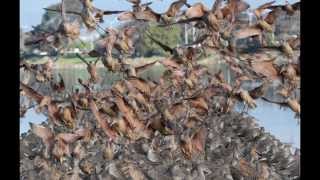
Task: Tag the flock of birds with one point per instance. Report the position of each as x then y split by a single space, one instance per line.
180 103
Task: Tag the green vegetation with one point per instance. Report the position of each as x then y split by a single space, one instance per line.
80 45
170 37
140 60
61 61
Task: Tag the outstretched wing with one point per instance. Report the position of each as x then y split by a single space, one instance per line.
82 59
216 5
111 12
31 92
182 21
164 47
175 7
143 67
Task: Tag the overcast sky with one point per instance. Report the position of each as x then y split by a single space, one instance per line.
31 11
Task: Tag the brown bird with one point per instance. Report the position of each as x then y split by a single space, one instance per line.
40 37
293 104
294 42
53 109
80 100
198 12
59 87
134 71
90 16
91 68
195 144
135 2
290 9
247 32
124 42
140 13
43 72
260 90
46 136
31 93
276 11
216 7
234 8
121 40
288 72
258 11
245 96
68 116
99 15
287 49
178 54
206 17
175 7
71 30
101 121
264 68
183 101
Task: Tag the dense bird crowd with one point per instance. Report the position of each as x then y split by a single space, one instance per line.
177 125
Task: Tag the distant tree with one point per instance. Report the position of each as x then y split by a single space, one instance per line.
50 22
51 19
80 45
171 37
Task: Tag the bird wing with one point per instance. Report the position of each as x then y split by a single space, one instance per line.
175 7
182 21
31 92
61 83
247 32
67 12
143 67
163 46
296 5
272 16
82 59
274 102
258 11
266 5
111 12
148 15
216 5
135 2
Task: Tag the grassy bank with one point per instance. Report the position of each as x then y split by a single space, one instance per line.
61 61
66 62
